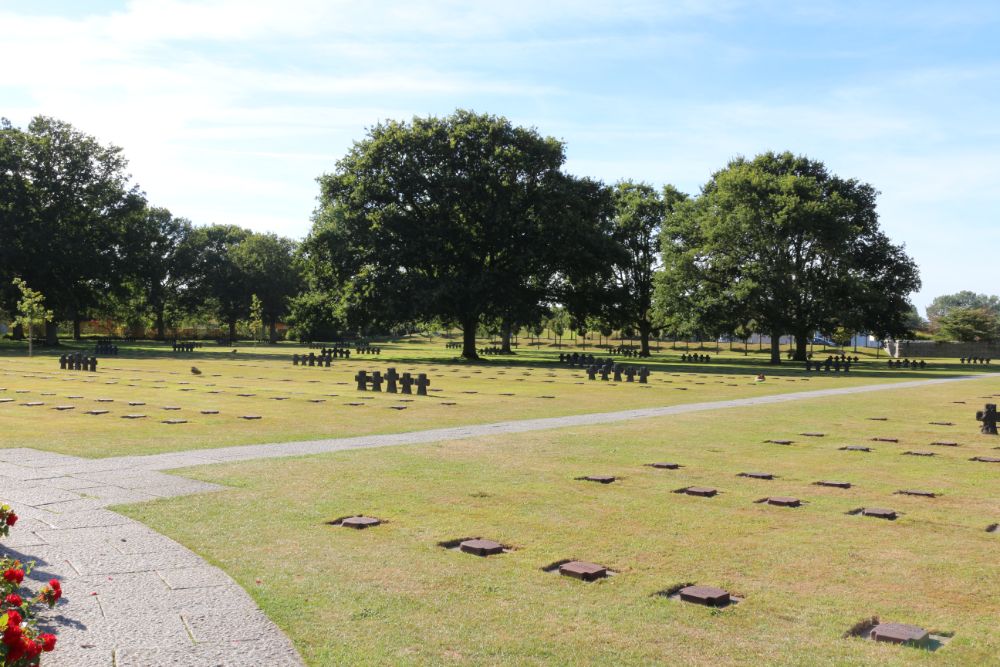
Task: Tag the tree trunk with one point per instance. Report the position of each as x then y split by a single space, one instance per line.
644 339
272 335
505 331
232 331
76 328
801 343
775 348
469 326
18 333
161 327
51 333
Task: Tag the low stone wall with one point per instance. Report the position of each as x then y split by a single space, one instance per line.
921 349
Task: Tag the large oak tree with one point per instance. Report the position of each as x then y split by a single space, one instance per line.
458 218
779 243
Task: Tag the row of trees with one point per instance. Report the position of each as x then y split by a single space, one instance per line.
74 228
464 220
468 218
965 317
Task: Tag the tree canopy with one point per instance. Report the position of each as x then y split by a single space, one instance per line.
458 218
780 245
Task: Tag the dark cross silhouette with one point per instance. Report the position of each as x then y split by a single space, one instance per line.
643 374
989 419
422 384
362 378
390 379
376 381
591 372
295 360
406 382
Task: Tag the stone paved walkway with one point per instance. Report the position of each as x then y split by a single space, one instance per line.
134 598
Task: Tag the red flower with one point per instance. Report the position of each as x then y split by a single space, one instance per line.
31 648
11 519
48 641
56 586
13 575
14 600
14 619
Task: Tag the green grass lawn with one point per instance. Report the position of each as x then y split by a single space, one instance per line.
496 389
391 595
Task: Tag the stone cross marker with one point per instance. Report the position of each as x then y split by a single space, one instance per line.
406 382
390 378
362 379
422 384
618 373
630 374
604 373
643 374
989 419
376 381
591 372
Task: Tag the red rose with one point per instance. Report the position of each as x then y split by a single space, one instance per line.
11 519
13 575
14 600
31 648
12 636
54 583
48 641
14 619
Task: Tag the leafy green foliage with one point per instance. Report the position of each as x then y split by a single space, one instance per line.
779 242
457 218
30 309
968 325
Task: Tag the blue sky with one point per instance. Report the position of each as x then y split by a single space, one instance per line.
229 109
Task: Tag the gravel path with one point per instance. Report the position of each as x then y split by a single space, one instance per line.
134 598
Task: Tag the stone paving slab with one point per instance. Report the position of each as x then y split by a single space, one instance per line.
135 598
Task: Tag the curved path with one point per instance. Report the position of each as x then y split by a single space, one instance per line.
135 598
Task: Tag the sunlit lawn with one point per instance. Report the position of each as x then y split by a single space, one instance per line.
302 403
390 595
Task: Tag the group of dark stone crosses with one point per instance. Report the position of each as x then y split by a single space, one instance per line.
391 377
605 367
77 362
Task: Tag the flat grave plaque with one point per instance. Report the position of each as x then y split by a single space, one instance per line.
756 475
879 513
917 492
174 421
899 633
600 479
481 547
664 466
833 483
855 448
783 501
700 491
583 570
709 596
360 522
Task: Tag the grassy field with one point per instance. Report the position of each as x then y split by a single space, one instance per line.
391 595
302 403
